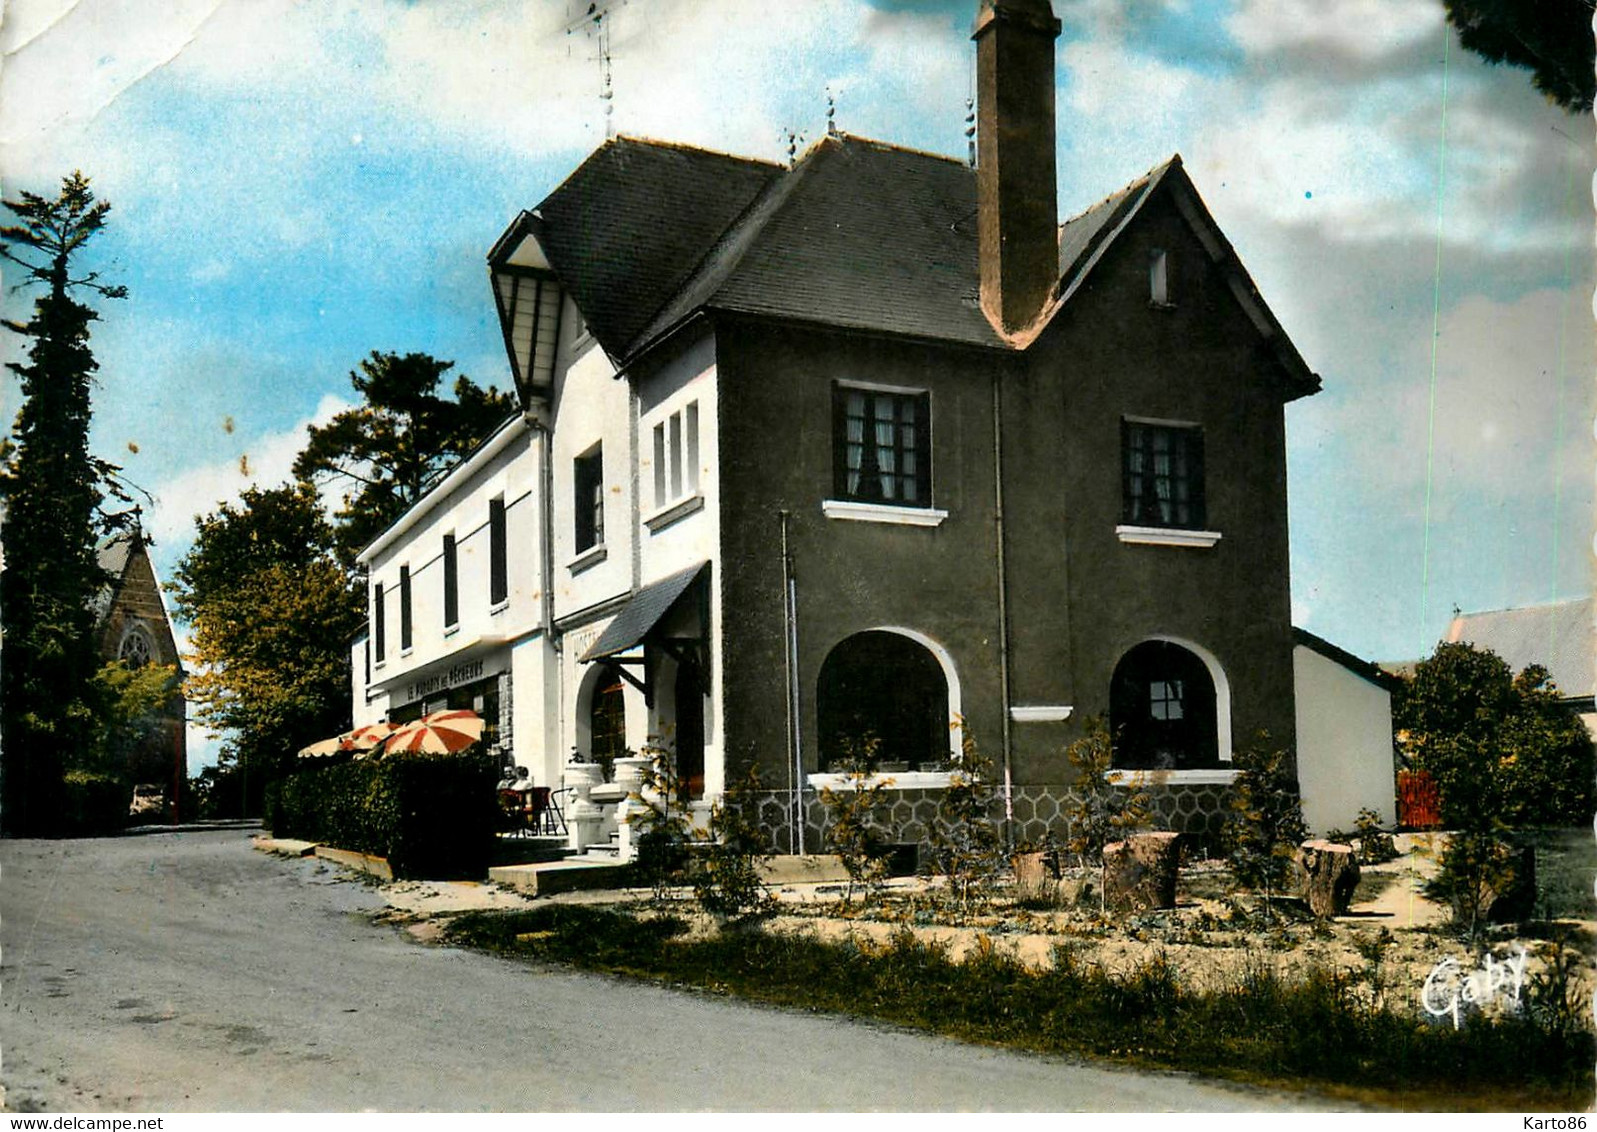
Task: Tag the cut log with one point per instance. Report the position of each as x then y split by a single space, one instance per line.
1328 872
1517 899
1139 873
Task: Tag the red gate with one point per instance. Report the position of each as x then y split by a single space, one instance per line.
1419 803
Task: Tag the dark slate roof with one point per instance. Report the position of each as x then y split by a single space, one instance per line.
112 554
860 235
624 231
640 614
1558 636
1371 671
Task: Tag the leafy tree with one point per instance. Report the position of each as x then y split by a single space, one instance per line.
133 716
1265 826
387 450
52 490
1501 747
270 612
1550 38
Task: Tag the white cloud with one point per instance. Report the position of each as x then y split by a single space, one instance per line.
1365 29
263 461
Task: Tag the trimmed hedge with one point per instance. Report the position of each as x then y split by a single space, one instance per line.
429 815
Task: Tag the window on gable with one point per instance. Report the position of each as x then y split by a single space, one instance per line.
1162 475
588 476
498 555
881 446
451 582
1159 278
404 609
676 456
379 623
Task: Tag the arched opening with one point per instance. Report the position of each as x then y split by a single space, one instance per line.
1163 709
889 687
136 649
607 720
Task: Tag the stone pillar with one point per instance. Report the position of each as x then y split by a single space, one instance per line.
1140 872
1327 875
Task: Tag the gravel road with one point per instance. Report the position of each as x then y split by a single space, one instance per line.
186 971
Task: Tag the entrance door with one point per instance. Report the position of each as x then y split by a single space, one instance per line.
690 730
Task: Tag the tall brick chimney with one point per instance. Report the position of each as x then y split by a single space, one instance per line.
1017 219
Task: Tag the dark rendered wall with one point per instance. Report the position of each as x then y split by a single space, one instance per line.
775 417
1113 354
1078 597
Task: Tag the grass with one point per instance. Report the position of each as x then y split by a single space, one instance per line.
1319 1030
1566 861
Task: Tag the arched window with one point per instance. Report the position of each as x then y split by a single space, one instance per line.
136 649
888 686
607 722
1162 709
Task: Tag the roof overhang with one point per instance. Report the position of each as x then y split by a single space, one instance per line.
637 620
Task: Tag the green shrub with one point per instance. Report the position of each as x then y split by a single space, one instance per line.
1375 844
854 828
726 875
967 846
429 815
1099 811
661 831
1265 825
93 803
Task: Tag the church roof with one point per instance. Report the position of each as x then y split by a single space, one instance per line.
1558 636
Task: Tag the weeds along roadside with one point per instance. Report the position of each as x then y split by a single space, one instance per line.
1323 1029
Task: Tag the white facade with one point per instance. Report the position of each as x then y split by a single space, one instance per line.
606 490
1344 750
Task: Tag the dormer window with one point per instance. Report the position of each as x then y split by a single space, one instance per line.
529 316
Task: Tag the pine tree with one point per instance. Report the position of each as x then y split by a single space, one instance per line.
52 491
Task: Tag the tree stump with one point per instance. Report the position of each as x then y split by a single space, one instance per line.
1139 873
1327 874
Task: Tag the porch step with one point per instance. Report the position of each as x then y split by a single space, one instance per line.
545 878
529 850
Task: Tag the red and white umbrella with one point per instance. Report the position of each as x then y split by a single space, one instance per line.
367 738
441 733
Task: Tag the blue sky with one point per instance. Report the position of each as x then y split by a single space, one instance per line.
298 183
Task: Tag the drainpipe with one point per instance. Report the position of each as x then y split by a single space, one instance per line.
1003 604
795 755
546 567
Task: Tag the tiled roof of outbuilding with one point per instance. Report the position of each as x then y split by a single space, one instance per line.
1558 636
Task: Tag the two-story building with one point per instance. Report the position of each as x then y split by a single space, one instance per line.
865 446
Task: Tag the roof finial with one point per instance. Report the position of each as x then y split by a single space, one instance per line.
831 113
793 138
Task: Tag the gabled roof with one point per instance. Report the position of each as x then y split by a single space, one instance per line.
1558 636
112 554
627 227
1337 655
858 234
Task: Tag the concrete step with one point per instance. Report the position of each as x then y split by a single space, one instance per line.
575 873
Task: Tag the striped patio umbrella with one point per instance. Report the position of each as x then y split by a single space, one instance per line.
366 739
441 733
322 749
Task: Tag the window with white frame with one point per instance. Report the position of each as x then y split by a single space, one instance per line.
588 481
881 445
451 582
1162 475
676 456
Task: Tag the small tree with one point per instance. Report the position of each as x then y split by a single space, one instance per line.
1099 810
661 831
726 878
1265 825
853 828
967 846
